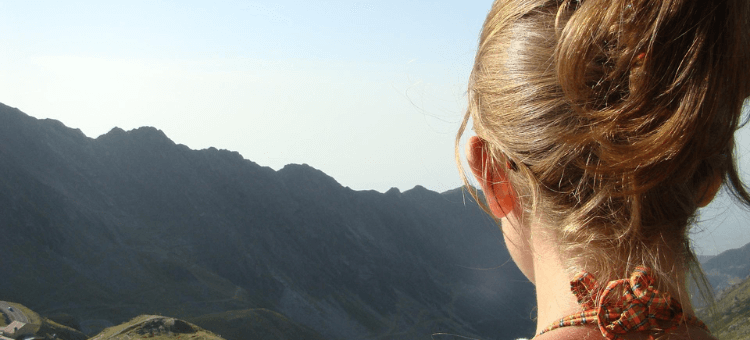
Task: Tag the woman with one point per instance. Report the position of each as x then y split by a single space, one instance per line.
601 126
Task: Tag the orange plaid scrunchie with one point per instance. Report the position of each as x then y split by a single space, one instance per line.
641 307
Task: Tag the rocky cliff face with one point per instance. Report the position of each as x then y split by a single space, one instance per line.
131 223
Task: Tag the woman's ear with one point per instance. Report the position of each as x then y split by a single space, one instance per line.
493 179
709 191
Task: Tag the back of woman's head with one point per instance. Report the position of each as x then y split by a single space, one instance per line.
617 116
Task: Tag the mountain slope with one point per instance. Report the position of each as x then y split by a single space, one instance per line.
732 313
727 268
261 323
131 223
157 328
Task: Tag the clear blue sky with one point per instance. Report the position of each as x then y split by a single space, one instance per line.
370 92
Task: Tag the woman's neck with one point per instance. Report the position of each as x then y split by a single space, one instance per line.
552 279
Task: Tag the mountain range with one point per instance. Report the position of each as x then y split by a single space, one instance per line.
728 268
99 231
103 230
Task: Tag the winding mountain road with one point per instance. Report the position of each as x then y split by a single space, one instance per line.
14 314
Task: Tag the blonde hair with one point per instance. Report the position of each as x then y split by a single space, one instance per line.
614 117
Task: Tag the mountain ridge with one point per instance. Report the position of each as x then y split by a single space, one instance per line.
132 223
728 267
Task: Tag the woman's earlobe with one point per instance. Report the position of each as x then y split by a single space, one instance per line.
710 190
493 180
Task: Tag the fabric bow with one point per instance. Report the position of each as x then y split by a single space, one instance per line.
639 308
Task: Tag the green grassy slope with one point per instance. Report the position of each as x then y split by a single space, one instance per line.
62 332
732 319
155 327
261 323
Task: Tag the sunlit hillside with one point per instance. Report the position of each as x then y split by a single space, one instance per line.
731 320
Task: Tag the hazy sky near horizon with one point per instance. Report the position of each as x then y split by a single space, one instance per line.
370 92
